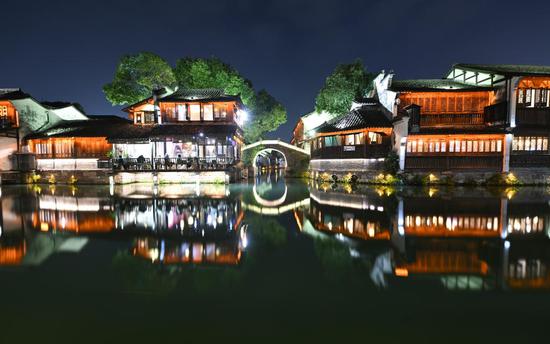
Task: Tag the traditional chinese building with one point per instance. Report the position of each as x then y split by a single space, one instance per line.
21 114
357 141
191 128
76 145
479 117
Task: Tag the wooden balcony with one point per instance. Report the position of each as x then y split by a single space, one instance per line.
439 162
496 113
369 151
533 116
451 120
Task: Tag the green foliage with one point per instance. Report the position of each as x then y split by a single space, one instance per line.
502 179
267 115
196 73
348 82
137 76
391 163
386 179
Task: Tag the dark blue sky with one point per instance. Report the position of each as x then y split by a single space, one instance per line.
67 50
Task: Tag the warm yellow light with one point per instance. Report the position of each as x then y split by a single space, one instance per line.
401 272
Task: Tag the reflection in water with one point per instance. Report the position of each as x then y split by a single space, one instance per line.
468 239
463 239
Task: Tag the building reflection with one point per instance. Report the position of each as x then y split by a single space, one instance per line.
195 223
356 216
474 239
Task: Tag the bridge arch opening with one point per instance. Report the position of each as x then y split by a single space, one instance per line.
269 160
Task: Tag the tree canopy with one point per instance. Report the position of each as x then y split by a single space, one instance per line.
268 115
137 76
193 73
348 82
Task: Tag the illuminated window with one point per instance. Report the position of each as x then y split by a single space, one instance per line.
3 111
374 138
521 96
220 111
420 147
181 110
195 112
443 146
208 112
414 146
359 138
499 146
137 117
349 140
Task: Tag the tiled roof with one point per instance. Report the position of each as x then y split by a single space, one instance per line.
367 116
12 94
505 69
433 85
85 128
207 94
186 95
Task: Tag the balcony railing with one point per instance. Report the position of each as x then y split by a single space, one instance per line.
431 120
489 162
533 116
370 151
168 164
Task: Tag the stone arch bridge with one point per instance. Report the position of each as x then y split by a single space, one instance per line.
296 159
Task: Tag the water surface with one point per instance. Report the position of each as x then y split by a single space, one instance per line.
274 259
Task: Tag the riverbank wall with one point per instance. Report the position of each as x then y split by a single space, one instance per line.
516 177
105 177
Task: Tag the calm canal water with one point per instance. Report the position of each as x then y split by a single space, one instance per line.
276 260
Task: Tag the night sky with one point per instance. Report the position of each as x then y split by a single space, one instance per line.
67 50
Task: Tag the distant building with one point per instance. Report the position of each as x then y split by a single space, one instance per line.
493 118
21 114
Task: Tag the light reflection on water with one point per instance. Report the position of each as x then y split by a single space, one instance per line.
463 238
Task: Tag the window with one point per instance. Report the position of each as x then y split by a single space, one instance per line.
3 112
530 143
349 140
208 112
181 110
137 117
331 141
195 112
521 96
220 111
149 117
374 138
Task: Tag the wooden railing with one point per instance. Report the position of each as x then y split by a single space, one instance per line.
533 116
172 164
492 162
431 120
495 113
370 151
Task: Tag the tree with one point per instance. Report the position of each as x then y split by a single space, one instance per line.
268 115
137 76
193 73
348 82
